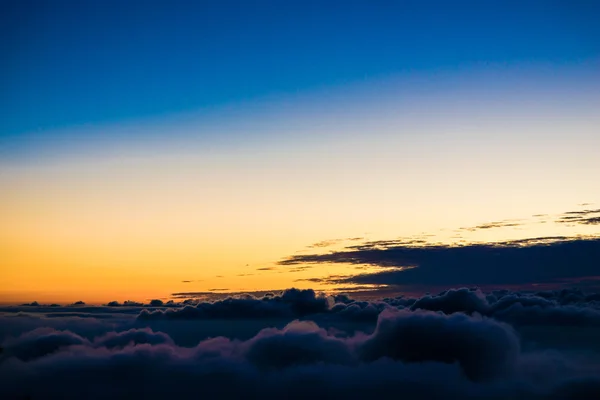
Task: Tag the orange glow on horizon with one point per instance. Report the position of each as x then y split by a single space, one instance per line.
135 224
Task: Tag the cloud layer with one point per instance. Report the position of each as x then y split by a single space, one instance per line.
460 343
421 354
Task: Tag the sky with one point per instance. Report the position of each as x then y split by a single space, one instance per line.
153 148
299 199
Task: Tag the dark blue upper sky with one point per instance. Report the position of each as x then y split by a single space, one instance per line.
74 62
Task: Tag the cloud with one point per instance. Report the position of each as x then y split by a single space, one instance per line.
325 243
561 308
520 314
290 303
359 310
485 349
299 269
333 242
549 308
497 224
586 217
412 354
454 300
530 261
460 343
208 295
132 337
40 342
536 260
126 303
299 343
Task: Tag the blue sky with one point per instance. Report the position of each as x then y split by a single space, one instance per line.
70 63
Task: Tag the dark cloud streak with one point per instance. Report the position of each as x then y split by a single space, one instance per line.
528 261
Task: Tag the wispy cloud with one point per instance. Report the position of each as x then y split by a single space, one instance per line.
586 217
497 224
333 242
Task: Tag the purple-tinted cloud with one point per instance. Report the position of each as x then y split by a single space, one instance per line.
416 354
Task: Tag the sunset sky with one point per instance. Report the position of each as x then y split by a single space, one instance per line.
148 149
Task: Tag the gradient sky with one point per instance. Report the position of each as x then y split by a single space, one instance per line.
143 144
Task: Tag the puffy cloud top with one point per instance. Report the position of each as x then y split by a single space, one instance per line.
420 354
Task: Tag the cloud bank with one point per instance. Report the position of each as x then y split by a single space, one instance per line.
420 354
459 343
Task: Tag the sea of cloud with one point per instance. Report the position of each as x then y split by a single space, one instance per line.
460 343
